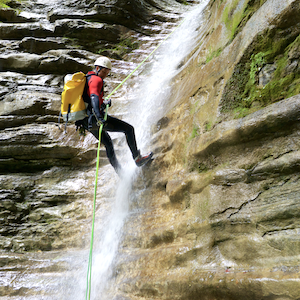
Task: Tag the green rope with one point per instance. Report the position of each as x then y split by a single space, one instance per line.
89 272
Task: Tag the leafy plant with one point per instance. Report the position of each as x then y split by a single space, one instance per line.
257 62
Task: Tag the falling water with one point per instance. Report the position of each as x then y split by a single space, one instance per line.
154 90
150 96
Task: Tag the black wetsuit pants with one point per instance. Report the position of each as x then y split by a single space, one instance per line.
114 125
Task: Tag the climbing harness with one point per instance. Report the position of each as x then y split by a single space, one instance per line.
89 272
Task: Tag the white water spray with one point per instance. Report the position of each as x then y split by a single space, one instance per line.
151 97
106 251
154 91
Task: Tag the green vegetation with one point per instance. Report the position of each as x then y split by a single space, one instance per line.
257 62
198 167
208 126
213 54
126 45
3 3
195 132
236 17
10 4
232 18
241 112
285 79
275 53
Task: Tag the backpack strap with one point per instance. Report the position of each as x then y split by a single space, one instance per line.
85 96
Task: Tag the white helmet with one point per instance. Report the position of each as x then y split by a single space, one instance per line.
103 62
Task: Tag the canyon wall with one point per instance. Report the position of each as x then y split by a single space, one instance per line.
223 190
220 217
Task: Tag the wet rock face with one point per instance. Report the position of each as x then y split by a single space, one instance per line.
29 34
130 14
47 174
222 219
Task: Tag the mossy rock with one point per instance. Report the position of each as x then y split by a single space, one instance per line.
278 47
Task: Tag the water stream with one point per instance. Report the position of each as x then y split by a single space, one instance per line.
62 274
149 99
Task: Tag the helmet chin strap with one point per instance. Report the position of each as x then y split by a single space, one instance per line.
97 72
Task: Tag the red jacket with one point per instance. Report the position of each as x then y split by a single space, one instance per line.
95 86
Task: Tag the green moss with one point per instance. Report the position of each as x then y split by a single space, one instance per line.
9 4
277 48
198 167
3 3
284 82
232 18
208 126
126 45
240 112
213 54
257 62
236 20
195 132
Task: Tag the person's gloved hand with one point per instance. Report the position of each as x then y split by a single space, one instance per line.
106 102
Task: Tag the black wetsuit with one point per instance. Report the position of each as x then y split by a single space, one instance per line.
96 107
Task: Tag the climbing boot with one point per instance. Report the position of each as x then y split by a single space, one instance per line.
140 160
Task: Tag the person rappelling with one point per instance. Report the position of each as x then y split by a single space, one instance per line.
96 116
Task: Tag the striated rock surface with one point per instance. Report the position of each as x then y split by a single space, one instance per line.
37 50
47 175
222 217
216 214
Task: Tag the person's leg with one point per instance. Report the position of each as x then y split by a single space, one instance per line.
107 142
116 125
110 152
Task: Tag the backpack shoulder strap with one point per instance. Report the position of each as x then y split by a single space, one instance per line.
86 98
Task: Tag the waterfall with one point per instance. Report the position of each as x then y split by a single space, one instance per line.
153 92
150 96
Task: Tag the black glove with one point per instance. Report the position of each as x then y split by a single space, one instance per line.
105 103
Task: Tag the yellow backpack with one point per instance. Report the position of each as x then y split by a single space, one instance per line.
73 107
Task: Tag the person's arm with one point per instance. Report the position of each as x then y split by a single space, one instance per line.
95 88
